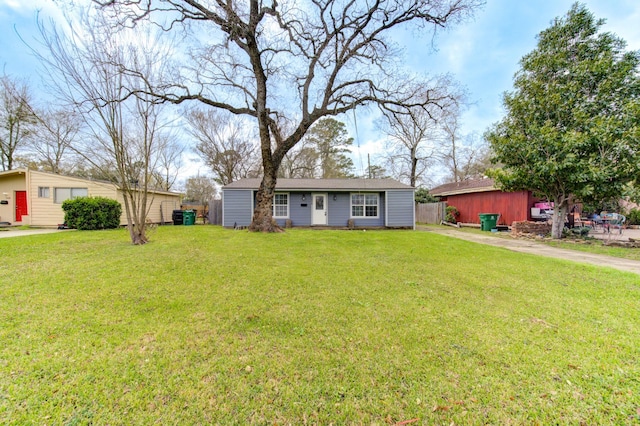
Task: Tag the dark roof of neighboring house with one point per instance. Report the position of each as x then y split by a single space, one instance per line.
323 184
464 187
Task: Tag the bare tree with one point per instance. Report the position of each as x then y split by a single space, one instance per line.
464 156
201 189
169 161
479 158
54 136
300 162
412 146
288 61
17 120
124 132
224 144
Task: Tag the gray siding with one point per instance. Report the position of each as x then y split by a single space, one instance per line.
395 209
299 211
340 211
236 207
400 208
299 214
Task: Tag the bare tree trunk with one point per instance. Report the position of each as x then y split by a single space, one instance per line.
557 221
414 167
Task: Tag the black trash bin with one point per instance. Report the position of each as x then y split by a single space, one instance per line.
177 217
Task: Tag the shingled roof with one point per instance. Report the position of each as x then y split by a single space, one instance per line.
323 184
464 187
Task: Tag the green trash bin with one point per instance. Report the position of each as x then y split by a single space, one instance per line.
488 221
188 217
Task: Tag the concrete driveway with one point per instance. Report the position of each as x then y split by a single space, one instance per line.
616 235
16 232
540 249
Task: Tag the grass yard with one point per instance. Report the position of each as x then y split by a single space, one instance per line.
205 325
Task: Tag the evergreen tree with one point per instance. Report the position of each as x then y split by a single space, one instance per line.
571 127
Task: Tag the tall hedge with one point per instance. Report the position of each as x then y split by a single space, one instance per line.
90 213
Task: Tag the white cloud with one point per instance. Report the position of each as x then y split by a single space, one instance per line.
15 5
26 8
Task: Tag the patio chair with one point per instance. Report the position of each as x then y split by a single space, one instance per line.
614 221
594 221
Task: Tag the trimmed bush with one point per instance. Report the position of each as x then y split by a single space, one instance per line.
633 217
91 213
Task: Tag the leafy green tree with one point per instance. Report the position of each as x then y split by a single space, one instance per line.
322 153
422 196
331 141
375 171
571 124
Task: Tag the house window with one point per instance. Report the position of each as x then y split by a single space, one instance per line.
43 192
364 205
281 205
62 194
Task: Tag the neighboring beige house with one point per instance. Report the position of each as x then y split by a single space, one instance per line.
29 197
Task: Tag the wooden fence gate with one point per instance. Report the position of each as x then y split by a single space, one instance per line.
430 212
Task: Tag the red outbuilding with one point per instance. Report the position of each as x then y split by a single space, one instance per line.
473 197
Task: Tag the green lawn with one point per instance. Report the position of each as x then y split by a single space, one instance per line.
205 325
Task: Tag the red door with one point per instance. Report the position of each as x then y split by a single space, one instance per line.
21 205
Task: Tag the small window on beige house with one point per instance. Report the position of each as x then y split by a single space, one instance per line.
62 194
43 192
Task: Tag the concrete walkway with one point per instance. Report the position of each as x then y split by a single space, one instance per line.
16 232
533 247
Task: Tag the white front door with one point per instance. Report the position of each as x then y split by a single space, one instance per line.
319 209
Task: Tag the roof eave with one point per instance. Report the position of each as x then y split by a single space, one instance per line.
464 191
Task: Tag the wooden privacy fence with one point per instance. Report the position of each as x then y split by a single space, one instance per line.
215 212
430 212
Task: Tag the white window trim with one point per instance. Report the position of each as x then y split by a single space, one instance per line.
351 216
273 208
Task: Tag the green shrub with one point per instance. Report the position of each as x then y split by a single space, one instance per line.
452 214
581 231
90 213
633 217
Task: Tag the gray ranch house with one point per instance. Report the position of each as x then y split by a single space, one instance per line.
359 203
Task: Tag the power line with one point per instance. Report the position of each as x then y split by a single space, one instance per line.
355 124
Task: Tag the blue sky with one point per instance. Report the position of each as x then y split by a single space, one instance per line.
482 54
